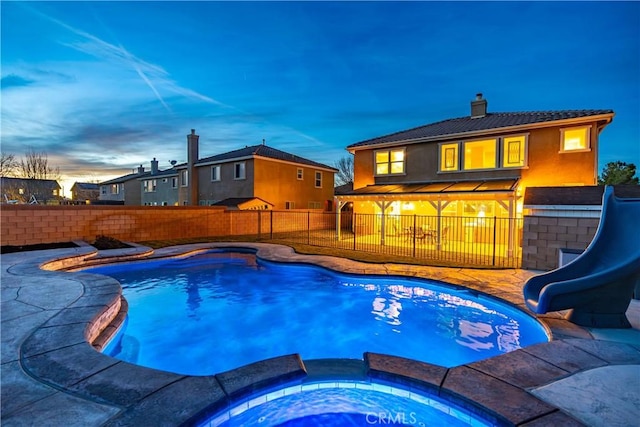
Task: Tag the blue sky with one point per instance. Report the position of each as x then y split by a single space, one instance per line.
102 87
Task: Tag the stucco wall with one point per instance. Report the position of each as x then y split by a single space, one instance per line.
543 237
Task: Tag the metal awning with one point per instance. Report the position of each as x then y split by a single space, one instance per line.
482 188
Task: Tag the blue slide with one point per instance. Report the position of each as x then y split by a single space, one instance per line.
597 286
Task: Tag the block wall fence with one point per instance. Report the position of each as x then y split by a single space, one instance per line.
34 224
543 237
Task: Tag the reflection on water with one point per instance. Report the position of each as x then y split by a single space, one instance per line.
469 323
216 311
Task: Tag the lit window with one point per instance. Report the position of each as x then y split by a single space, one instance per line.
574 139
184 178
215 173
239 170
115 189
449 157
480 154
318 179
513 151
300 173
389 162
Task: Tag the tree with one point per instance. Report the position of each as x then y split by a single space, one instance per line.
345 170
35 165
8 164
618 173
32 170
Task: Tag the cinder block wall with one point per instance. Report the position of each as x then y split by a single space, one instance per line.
33 224
543 237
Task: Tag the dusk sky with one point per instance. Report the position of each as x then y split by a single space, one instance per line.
104 87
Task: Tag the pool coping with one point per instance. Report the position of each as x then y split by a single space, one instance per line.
58 353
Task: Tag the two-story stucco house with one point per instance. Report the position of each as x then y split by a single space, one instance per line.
475 167
254 177
159 187
124 189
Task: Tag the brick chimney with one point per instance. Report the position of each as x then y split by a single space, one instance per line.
478 107
154 166
192 158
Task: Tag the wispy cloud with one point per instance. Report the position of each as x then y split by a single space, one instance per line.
13 80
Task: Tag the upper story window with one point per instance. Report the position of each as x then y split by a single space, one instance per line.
480 154
239 171
300 173
513 151
501 153
184 178
389 162
149 185
103 190
318 179
289 205
575 139
115 189
215 173
449 157
174 182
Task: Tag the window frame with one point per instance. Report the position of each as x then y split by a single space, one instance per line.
504 152
174 182
587 148
318 179
184 178
463 151
150 185
456 156
242 168
300 174
390 162
217 176
288 205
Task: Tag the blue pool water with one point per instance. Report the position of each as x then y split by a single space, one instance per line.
345 404
219 310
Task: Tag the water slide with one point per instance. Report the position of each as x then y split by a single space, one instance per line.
597 286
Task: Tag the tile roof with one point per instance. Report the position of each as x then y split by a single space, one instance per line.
47 183
263 151
488 122
576 196
86 186
125 178
236 201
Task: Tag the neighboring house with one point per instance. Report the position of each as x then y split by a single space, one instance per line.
475 166
159 188
274 178
85 191
27 190
124 189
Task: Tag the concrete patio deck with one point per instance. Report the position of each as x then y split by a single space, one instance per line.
52 376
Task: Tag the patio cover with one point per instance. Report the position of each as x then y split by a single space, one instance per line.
444 190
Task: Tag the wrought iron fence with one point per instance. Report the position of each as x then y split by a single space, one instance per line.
465 241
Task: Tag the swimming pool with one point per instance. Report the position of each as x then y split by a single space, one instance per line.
345 403
219 310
